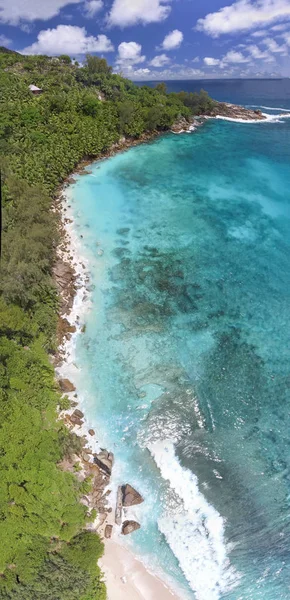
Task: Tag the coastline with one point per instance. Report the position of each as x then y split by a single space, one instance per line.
125 576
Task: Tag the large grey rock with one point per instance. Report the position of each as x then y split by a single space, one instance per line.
130 527
76 420
104 460
66 385
78 413
130 496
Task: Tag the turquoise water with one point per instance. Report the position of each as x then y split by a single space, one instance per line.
185 358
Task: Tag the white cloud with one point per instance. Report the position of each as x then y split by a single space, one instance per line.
281 27
235 57
211 62
231 58
68 39
184 72
274 47
14 11
141 72
129 12
5 41
168 73
257 53
129 53
244 15
160 61
259 33
196 59
172 40
92 7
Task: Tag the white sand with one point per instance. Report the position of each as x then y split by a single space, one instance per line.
127 578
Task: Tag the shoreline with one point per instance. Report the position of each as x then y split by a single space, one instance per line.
126 577
125 574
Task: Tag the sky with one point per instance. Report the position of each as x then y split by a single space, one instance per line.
157 39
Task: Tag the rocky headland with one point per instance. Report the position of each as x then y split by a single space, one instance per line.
221 109
233 111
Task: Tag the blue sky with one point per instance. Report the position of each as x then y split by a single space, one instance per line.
157 39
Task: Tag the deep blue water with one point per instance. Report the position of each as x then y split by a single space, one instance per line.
269 92
184 364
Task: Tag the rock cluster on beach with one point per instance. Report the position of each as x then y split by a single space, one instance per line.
98 466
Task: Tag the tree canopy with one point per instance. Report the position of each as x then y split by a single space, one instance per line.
46 552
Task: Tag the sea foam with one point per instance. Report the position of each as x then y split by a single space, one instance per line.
193 528
273 118
271 108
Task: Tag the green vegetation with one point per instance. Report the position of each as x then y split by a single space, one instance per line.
46 553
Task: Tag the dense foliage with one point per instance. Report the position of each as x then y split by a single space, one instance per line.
46 553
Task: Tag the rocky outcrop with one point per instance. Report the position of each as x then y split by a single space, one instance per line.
130 527
105 461
220 109
64 277
78 413
233 111
66 386
65 329
75 420
91 432
181 125
130 496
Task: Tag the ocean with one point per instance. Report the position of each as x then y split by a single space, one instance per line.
183 368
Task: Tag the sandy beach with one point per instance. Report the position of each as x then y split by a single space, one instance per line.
128 579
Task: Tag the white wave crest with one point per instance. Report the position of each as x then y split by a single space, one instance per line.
273 118
270 108
193 528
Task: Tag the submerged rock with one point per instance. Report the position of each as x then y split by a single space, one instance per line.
130 496
91 432
130 527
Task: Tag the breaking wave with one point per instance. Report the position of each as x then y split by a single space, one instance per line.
273 118
270 108
193 528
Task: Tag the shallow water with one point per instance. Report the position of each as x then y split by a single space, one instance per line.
185 358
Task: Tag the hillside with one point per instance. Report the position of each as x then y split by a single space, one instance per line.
4 50
46 552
